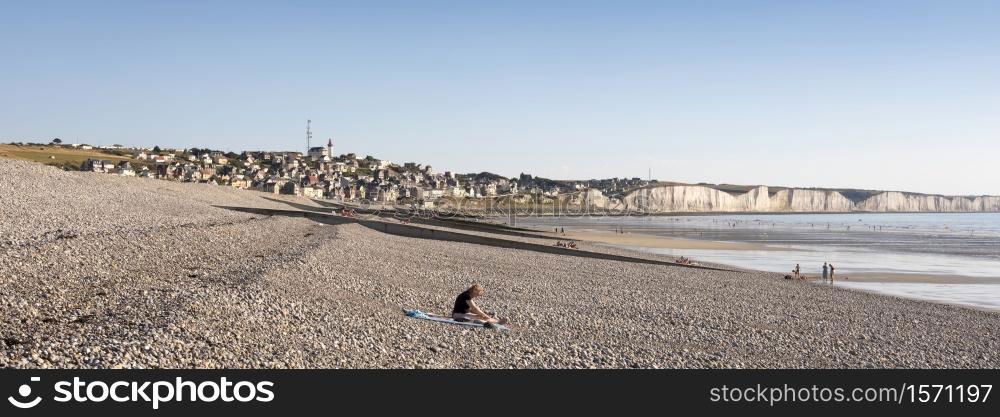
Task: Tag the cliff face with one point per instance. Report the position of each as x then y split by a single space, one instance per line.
809 200
896 201
986 203
697 198
688 198
597 199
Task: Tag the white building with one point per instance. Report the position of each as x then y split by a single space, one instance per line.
319 153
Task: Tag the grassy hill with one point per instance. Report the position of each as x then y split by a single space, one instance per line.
67 158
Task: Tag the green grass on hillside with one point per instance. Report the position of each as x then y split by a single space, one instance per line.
67 158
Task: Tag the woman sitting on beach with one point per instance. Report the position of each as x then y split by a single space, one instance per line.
467 310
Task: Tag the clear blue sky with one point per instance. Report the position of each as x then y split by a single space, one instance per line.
874 94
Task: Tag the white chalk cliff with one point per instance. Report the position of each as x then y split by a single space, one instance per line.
699 198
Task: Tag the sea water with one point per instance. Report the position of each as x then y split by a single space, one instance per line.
949 244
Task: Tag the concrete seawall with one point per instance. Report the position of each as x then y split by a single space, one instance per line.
409 230
454 223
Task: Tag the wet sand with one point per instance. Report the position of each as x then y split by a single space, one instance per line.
890 277
661 242
651 241
915 278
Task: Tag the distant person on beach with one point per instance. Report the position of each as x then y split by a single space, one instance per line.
831 272
797 271
825 270
466 309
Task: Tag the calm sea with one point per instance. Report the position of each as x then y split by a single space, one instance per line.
964 244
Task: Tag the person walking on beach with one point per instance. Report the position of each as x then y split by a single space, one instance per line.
466 310
797 271
825 269
831 272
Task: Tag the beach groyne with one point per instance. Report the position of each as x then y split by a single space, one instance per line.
762 199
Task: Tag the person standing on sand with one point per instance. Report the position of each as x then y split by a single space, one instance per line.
831 272
825 269
797 271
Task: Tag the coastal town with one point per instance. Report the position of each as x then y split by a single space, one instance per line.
320 173
350 179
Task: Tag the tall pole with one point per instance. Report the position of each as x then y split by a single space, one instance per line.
510 209
309 135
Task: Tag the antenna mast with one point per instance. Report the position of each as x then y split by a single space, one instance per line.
309 135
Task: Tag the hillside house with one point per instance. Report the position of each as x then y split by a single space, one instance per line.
312 191
97 165
124 168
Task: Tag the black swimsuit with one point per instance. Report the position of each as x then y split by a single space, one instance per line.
463 303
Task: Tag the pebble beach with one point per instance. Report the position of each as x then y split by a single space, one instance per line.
101 271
